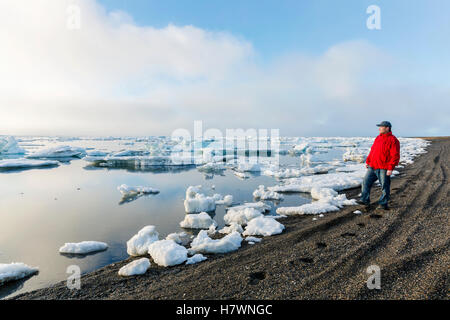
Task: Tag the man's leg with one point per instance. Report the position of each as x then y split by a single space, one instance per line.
367 184
385 182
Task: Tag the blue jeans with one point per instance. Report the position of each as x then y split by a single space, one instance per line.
373 175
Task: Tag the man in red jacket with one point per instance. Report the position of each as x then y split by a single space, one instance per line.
383 157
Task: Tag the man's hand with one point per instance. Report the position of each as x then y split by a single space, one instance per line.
367 166
389 172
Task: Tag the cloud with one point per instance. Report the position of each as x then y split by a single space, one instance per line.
113 77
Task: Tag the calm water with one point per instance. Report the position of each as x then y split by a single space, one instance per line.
41 209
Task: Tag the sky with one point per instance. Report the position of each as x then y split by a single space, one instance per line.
147 67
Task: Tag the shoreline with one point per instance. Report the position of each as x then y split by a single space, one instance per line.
322 259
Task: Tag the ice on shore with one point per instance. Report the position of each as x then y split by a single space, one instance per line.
231 228
26 163
253 239
129 191
295 172
196 258
263 194
15 271
328 200
241 216
167 253
181 238
8 145
136 267
201 220
83 247
263 226
204 244
337 181
197 202
139 243
59 152
309 208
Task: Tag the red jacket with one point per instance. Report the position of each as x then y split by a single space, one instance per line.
385 152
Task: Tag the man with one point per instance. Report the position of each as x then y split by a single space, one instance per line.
383 157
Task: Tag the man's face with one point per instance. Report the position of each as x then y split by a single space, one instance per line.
383 130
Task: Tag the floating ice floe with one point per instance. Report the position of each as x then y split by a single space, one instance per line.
139 243
197 202
248 167
59 152
263 194
201 220
83 247
263 226
136 267
167 253
196 258
8 145
129 191
227 200
260 206
212 167
204 244
15 271
181 238
26 163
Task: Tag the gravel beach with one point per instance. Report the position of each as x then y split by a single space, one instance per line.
322 259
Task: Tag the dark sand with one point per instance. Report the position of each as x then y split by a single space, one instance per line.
323 259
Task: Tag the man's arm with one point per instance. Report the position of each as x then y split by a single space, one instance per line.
394 156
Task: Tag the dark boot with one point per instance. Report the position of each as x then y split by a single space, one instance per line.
383 207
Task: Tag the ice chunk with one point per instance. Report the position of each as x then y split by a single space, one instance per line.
129 191
357 212
263 194
9 145
248 167
167 253
232 227
15 271
241 216
315 207
181 238
196 258
83 247
263 226
59 152
260 206
203 243
355 154
138 244
135 267
212 167
26 163
227 200
197 202
252 239
320 193
197 221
